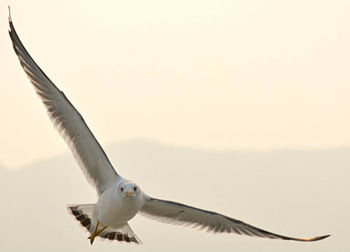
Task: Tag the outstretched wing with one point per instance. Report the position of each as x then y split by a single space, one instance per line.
67 120
177 213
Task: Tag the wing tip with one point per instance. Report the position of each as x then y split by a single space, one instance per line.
11 28
317 238
10 18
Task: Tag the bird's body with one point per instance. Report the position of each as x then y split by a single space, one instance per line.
115 211
119 199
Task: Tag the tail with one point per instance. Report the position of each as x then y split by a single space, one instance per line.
83 214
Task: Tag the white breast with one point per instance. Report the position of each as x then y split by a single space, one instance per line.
114 211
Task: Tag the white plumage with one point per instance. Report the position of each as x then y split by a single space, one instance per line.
119 199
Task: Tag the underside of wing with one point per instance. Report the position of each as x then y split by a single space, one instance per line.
67 120
177 213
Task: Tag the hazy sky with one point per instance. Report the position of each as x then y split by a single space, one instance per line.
299 193
206 74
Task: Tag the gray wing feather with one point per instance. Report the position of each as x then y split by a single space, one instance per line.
177 213
67 120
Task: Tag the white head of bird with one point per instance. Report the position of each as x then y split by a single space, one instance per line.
128 190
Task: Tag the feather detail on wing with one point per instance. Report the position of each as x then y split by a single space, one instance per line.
84 213
67 120
177 213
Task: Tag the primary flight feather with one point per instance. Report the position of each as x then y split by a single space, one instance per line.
119 199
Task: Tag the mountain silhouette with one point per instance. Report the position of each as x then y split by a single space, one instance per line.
292 192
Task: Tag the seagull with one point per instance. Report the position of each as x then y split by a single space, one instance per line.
119 199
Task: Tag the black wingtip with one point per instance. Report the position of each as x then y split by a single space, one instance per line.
317 238
320 237
11 28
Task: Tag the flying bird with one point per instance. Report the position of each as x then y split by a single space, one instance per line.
119 199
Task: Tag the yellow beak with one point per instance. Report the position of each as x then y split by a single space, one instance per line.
128 194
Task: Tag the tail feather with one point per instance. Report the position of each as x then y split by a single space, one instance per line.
124 234
83 214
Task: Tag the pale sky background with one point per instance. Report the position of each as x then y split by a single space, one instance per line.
200 77
215 75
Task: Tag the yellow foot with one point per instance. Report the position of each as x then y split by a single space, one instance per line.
92 238
95 233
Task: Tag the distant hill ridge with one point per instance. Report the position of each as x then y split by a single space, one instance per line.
293 192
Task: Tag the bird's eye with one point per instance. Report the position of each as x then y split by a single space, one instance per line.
121 188
135 188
